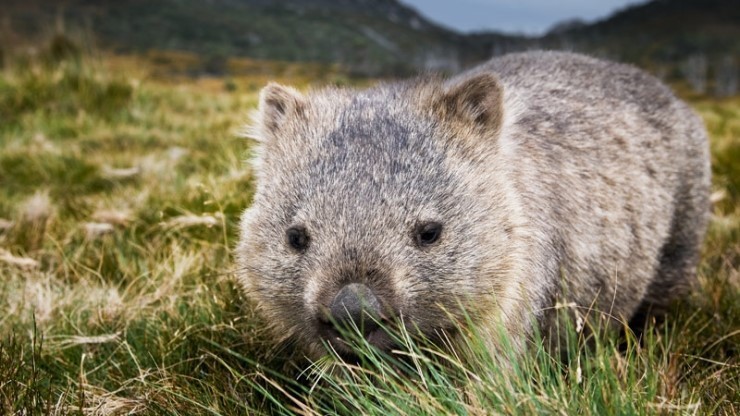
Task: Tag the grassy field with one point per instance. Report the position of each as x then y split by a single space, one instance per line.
119 200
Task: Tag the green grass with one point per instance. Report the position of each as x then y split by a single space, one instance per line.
119 203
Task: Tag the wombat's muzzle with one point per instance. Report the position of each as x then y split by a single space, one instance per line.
355 304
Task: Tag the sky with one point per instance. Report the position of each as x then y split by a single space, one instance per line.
519 16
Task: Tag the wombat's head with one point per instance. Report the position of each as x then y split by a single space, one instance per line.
376 207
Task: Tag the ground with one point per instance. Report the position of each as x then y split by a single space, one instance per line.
120 190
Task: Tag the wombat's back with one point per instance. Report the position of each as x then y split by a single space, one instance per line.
613 175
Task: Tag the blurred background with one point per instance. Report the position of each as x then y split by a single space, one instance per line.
695 42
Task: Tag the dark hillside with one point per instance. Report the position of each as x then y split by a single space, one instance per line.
696 40
661 31
379 36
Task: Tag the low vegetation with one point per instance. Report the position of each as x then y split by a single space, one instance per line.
119 200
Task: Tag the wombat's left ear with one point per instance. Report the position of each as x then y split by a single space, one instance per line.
476 102
278 104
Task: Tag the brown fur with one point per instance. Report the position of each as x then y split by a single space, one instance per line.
554 175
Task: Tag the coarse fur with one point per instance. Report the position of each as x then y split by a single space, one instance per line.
554 175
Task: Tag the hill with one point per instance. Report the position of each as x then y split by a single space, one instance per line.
661 30
369 37
698 40
676 38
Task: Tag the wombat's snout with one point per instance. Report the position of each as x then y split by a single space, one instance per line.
354 306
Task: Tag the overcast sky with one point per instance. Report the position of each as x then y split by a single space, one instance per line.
523 16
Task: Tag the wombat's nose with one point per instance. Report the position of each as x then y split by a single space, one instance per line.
356 304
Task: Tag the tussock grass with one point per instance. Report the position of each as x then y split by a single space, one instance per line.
119 203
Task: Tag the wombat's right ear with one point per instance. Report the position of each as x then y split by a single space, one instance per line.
278 104
475 102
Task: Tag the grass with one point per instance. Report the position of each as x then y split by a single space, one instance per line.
119 201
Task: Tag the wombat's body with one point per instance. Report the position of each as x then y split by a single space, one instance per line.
532 177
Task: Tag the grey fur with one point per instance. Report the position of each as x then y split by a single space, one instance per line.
555 175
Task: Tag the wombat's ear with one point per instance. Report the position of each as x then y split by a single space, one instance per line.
476 102
278 104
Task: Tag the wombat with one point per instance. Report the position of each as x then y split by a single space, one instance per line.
482 198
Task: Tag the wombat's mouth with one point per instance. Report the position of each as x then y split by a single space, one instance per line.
345 342
350 344
347 336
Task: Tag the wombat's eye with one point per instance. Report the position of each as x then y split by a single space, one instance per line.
297 238
427 233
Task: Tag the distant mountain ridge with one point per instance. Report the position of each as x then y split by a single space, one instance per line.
380 37
661 30
367 36
693 40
